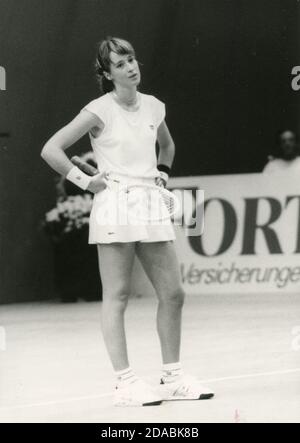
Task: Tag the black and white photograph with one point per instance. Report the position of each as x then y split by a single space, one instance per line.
149 214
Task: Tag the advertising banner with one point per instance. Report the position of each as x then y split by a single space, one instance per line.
251 235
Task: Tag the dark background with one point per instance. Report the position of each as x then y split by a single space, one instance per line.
223 67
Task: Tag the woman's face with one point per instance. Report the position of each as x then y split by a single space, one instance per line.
124 70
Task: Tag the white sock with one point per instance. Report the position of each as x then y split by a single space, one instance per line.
171 372
126 377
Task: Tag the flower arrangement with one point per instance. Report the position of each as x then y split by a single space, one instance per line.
69 215
72 212
75 261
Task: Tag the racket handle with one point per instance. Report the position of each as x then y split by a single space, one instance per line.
84 166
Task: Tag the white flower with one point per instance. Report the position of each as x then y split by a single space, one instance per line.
72 213
52 215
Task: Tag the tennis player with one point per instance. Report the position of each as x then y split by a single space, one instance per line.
123 125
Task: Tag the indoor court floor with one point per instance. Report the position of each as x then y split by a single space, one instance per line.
55 367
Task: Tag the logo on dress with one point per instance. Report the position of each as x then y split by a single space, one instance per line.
151 127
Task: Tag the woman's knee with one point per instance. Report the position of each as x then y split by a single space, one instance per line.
174 297
117 297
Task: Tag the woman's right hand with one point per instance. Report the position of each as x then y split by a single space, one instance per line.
98 183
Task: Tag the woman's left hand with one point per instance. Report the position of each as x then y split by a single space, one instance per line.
159 181
162 180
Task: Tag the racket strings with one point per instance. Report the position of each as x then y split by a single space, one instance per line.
168 201
158 203
145 202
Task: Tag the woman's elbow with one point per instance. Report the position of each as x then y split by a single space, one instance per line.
46 152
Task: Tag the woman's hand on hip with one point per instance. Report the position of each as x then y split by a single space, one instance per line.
98 183
162 180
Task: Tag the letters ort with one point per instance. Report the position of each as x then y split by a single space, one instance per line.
251 226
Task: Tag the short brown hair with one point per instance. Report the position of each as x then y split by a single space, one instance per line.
103 61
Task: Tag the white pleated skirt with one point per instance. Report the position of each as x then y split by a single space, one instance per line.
110 220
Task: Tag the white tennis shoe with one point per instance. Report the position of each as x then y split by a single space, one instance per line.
138 393
185 388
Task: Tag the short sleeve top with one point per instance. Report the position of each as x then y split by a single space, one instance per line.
127 143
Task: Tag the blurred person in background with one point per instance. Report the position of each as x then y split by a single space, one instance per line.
286 157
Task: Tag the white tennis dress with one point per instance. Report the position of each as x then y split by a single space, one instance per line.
126 148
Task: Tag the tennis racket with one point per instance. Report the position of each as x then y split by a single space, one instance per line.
146 202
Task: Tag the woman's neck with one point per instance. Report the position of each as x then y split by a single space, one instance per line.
126 96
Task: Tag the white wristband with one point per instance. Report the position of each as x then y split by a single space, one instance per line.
164 176
79 178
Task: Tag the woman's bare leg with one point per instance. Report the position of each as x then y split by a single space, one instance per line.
161 265
115 264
